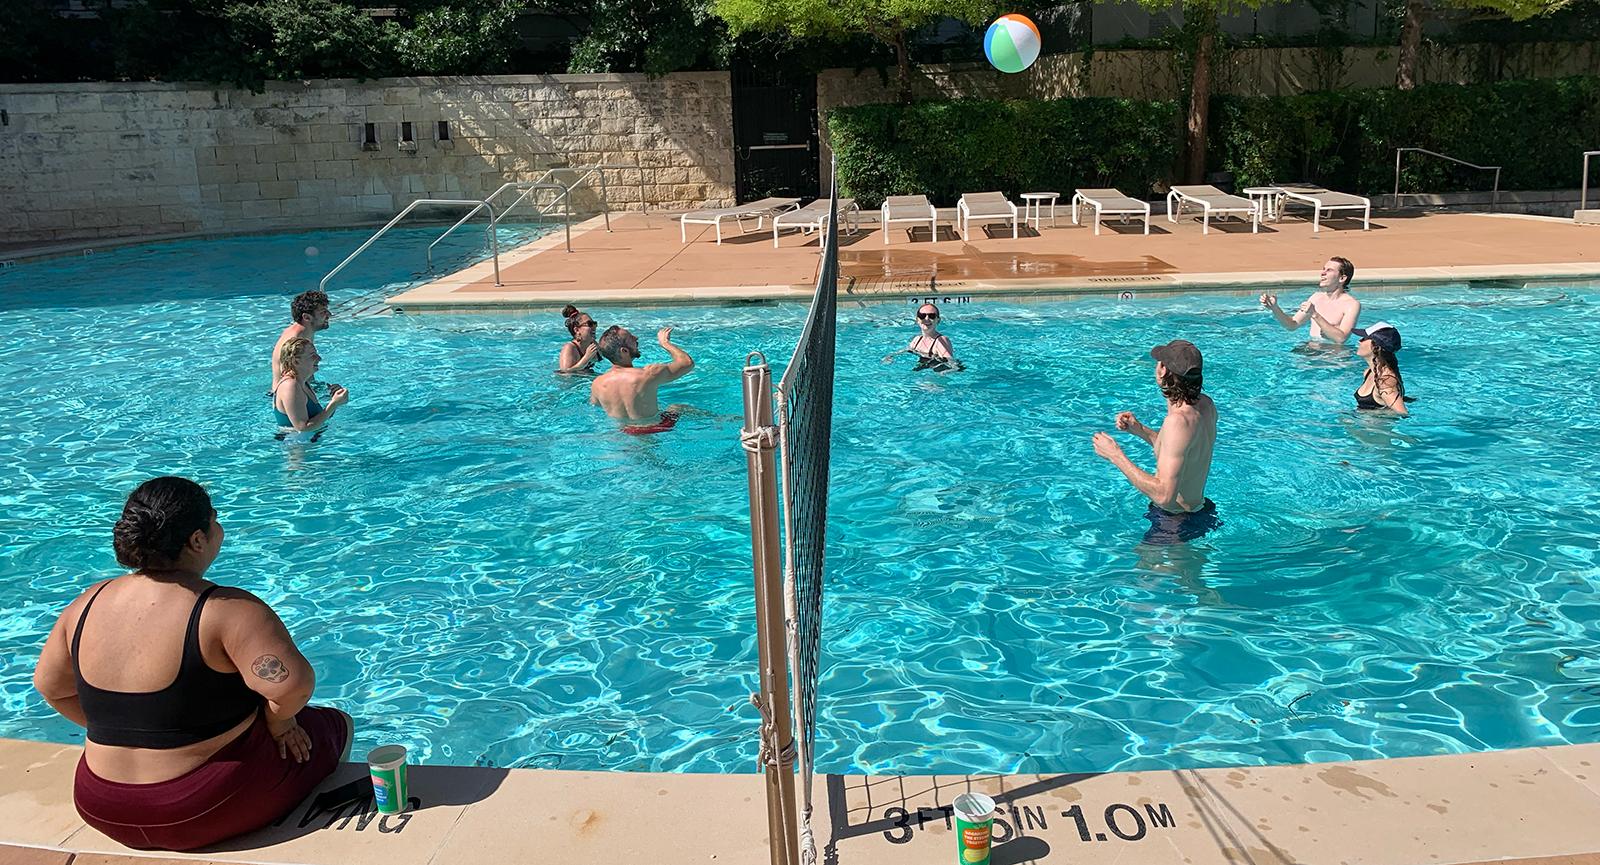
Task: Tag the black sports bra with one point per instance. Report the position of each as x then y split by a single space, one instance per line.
199 704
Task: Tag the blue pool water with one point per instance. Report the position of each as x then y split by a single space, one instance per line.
482 568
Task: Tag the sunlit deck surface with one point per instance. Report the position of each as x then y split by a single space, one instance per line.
1534 805
642 260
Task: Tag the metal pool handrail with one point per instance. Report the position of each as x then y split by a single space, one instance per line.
494 222
598 168
477 205
1494 199
1583 197
605 204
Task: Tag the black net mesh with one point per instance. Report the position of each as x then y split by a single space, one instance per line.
806 398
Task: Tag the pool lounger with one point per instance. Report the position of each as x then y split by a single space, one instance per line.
1109 202
1320 199
908 208
757 210
814 216
1211 200
985 207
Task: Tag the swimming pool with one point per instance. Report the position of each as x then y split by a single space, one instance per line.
481 568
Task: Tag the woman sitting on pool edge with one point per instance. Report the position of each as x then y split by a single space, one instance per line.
296 407
580 352
1381 387
197 718
932 348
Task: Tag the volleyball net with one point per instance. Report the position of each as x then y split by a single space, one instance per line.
805 428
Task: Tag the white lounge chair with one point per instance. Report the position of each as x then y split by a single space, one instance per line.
814 216
757 210
908 208
1211 200
1320 199
985 207
1109 202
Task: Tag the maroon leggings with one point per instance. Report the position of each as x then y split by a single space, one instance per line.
244 786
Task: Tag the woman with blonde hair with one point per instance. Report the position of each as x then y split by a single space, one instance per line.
296 406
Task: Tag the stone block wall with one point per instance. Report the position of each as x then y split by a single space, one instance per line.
93 160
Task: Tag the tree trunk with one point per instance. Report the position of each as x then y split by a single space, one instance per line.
1200 102
1405 73
902 59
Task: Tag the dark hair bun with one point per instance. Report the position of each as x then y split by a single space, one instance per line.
569 312
158 520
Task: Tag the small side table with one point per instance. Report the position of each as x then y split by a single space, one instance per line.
1033 207
1269 199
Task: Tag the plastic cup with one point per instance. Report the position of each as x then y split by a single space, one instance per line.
390 791
974 825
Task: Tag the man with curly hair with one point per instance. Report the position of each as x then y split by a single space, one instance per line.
308 313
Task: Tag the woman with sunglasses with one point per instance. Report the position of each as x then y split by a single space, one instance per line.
580 352
932 348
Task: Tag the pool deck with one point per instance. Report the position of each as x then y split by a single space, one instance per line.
1532 805
642 261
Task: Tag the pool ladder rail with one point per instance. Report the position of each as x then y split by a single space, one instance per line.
475 205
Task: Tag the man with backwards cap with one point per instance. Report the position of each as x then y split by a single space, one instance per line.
1179 510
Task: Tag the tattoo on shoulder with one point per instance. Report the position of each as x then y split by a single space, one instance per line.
270 668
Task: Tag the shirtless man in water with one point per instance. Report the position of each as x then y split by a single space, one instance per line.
309 314
1179 510
1332 311
627 392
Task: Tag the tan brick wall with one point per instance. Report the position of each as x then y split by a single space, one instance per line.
91 160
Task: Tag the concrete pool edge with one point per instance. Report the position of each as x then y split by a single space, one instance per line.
441 296
1522 804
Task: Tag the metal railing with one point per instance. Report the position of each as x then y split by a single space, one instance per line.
1583 197
476 204
543 182
494 221
1494 199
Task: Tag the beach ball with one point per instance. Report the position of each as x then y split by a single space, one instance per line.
1012 43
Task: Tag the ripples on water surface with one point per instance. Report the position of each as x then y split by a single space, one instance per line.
482 568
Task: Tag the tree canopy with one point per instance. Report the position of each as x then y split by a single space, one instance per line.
888 21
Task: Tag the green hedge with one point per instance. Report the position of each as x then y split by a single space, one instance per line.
942 149
1346 140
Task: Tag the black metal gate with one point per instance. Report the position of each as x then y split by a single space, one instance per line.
774 132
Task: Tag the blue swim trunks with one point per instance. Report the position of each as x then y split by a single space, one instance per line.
1167 528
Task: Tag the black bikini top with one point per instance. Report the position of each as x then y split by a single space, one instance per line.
199 704
933 343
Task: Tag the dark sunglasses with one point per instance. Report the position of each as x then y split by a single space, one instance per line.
928 316
588 324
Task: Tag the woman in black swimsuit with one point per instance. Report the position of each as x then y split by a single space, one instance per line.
930 344
1381 387
580 352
